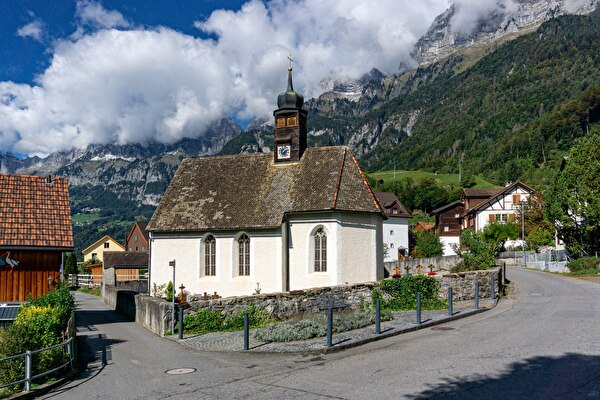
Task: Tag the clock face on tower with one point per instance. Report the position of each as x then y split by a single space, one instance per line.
283 151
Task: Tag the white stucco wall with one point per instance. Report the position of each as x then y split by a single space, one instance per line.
503 205
187 251
395 235
354 255
447 242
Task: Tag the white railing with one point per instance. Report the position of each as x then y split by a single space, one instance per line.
85 280
67 346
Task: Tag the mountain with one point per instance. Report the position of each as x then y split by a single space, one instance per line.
448 32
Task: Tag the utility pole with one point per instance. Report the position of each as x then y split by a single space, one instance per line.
523 229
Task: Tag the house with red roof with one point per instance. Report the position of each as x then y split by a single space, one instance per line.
35 232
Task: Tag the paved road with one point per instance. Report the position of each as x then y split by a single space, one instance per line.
543 343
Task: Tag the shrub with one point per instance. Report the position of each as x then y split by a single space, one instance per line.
61 299
401 293
584 263
427 245
36 327
170 291
205 320
315 325
482 251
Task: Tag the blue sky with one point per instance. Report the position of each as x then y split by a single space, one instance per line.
78 72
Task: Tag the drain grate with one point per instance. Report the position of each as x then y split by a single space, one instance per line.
180 371
442 328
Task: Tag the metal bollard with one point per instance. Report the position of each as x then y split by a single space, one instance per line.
377 316
246 333
450 312
180 322
419 308
492 289
477 295
27 371
330 328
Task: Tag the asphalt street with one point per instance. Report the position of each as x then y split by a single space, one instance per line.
542 342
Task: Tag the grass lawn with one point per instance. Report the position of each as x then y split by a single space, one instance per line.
85 218
441 179
92 291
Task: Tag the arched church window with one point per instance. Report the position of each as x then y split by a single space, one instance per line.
320 250
244 255
210 245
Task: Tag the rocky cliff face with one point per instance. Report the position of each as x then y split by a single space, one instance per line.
508 19
136 172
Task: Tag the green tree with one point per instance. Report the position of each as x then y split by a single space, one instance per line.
70 266
481 251
501 232
574 201
427 245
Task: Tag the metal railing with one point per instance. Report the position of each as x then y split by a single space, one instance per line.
85 280
67 346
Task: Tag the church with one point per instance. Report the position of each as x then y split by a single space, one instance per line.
262 223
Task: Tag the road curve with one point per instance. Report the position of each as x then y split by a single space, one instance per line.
542 342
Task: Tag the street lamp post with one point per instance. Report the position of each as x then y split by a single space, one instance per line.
172 264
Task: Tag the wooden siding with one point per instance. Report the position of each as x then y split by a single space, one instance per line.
30 276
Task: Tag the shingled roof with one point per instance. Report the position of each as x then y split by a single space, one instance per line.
387 200
125 259
251 191
35 212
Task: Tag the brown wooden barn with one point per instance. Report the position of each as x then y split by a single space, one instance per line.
35 230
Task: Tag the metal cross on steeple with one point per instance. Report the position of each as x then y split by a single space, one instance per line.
291 61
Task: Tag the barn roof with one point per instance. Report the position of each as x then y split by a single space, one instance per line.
35 211
251 191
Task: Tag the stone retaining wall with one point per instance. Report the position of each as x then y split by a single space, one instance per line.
155 314
441 264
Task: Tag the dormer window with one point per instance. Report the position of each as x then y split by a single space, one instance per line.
395 211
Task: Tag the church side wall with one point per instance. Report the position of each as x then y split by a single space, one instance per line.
361 248
265 263
301 251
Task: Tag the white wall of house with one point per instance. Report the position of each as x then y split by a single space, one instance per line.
448 242
501 208
354 254
395 236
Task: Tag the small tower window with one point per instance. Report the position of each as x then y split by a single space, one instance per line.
244 255
292 121
320 251
281 122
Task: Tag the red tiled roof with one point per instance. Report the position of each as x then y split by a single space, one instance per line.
34 213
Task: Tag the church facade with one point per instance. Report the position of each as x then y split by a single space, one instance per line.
295 219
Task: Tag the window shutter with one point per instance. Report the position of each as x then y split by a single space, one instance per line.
511 217
516 198
492 217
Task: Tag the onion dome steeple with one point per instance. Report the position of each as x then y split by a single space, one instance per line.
289 98
290 124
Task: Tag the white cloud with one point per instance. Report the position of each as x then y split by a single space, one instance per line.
34 30
470 12
140 85
93 14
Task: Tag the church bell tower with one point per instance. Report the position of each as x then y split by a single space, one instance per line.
290 124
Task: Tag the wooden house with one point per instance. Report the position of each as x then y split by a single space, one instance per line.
137 239
35 231
448 221
395 228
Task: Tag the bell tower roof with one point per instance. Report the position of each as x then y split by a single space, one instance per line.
289 98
